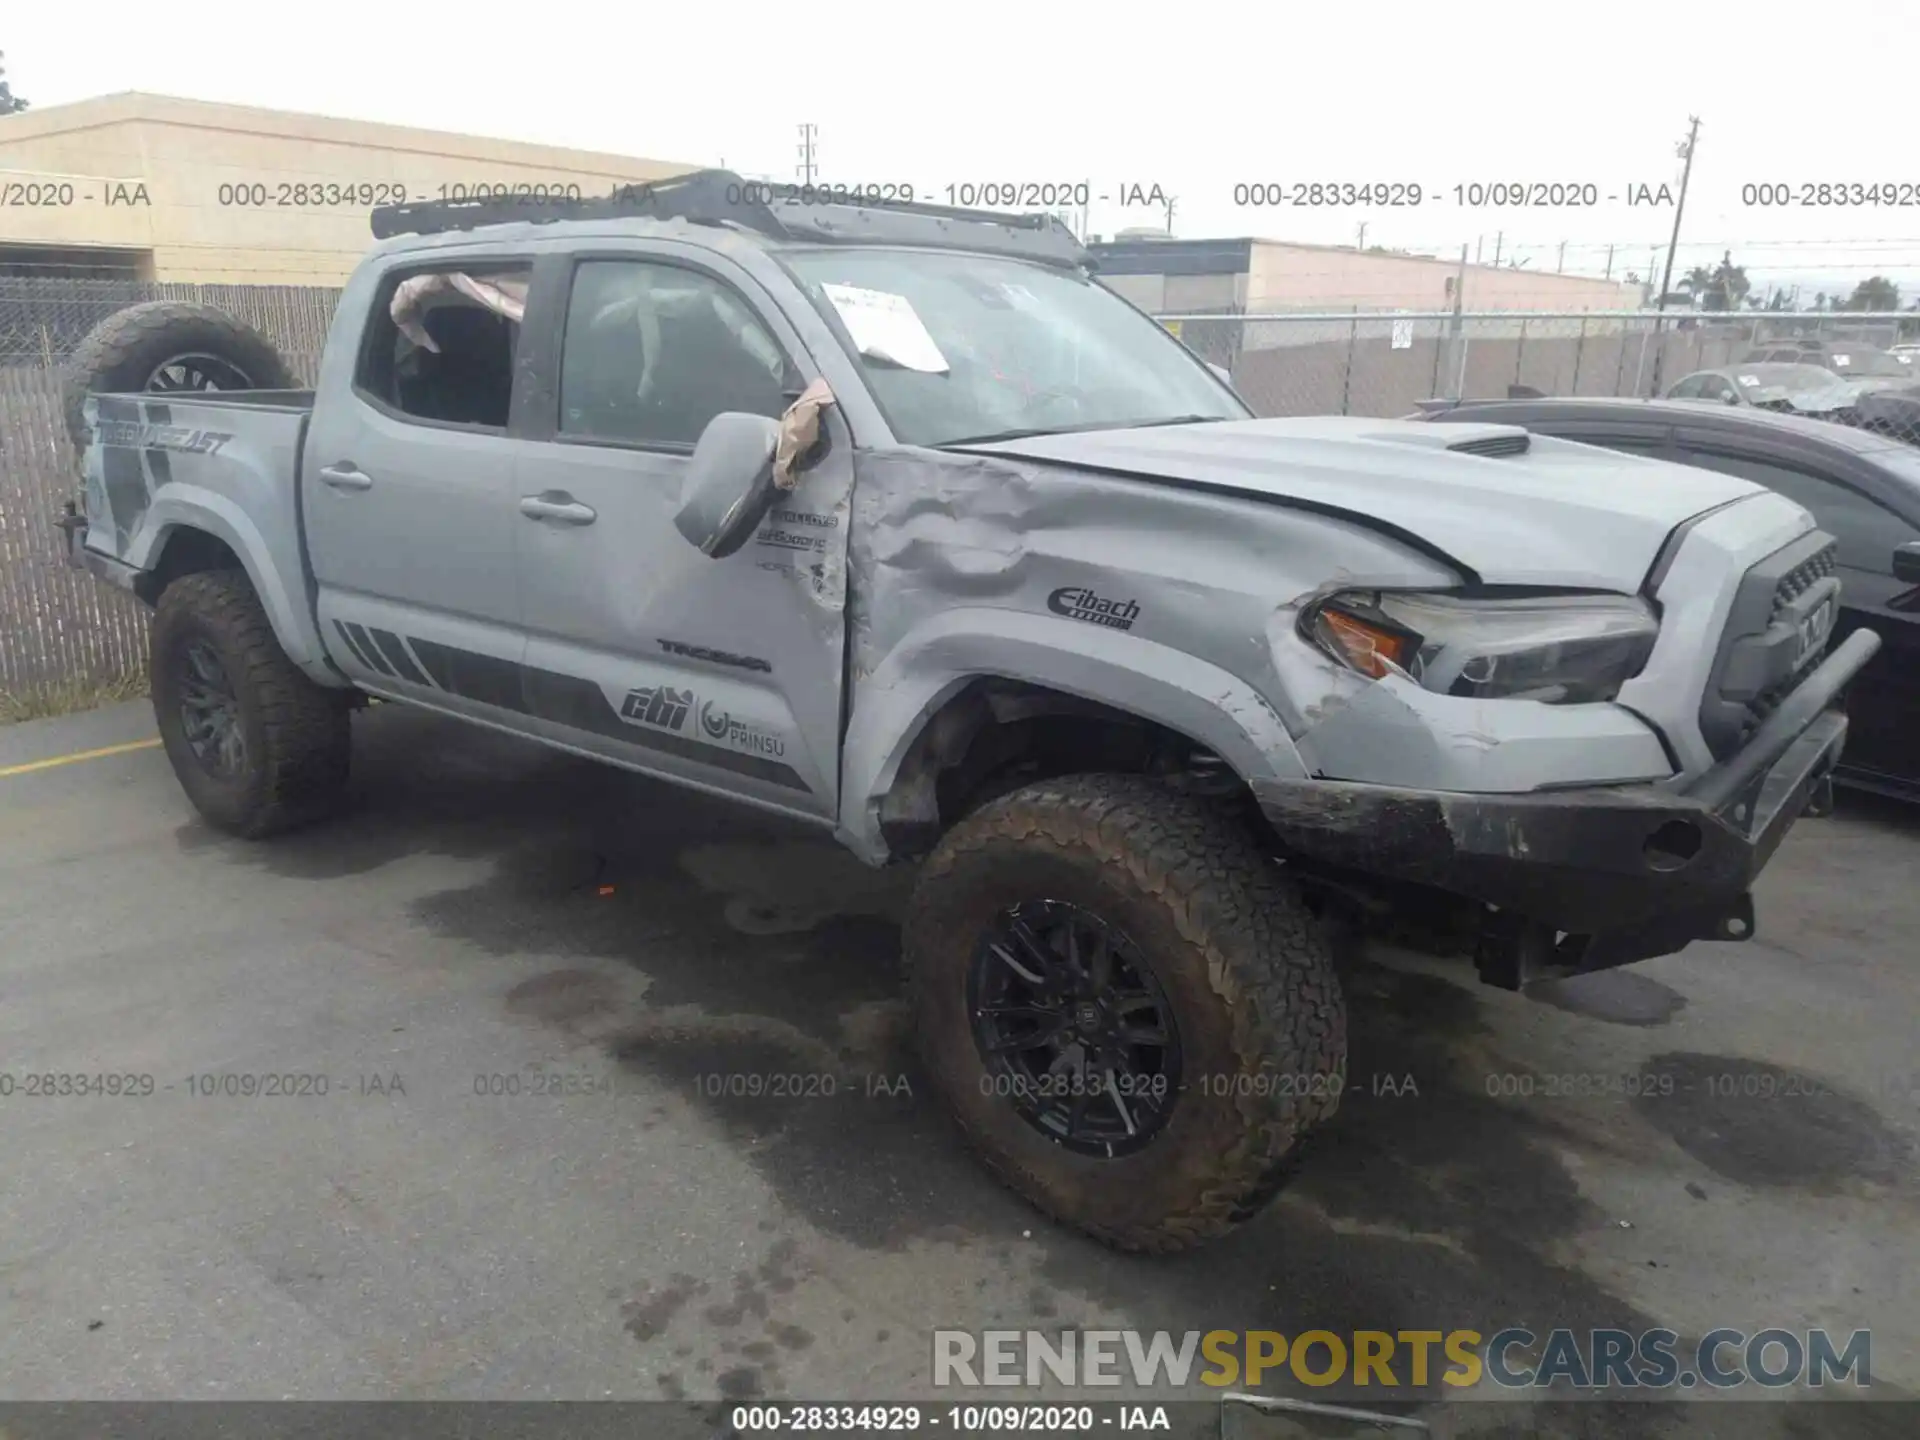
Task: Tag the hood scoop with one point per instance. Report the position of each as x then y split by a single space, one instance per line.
1513 443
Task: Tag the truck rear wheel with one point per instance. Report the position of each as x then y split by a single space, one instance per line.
168 346
1127 1008
258 747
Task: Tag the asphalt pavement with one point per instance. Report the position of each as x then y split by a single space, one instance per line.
436 1102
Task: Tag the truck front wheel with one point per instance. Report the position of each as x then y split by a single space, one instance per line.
1125 1005
258 747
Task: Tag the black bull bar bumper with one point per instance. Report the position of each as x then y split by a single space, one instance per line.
1583 879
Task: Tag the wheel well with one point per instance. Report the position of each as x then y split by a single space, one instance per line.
995 736
186 552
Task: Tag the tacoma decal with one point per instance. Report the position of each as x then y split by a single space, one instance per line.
715 657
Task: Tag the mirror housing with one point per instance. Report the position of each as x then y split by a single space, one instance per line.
729 486
1222 374
1906 562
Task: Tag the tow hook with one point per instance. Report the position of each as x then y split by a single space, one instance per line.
74 524
1514 951
1820 798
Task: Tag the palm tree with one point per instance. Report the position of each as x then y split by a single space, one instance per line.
1876 292
1729 284
1696 282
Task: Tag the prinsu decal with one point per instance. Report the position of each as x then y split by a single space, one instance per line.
715 657
129 435
719 725
1077 602
660 706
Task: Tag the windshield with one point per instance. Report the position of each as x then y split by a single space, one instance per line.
1785 377
966 347
1869 363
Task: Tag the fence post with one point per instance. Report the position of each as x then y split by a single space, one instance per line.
1579 344
1346 377
1520 353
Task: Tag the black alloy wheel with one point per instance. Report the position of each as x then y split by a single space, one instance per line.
210 712
1074 1028
196 372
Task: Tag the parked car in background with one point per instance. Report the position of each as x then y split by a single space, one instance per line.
1860 486
1796 389
1863 364
1909 354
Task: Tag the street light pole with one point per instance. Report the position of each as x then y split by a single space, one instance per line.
1673 245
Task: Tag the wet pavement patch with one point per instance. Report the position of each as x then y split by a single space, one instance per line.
1761 1124
1619 997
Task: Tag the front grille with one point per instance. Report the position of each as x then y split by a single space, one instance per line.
1764 651
1797 581
1495 445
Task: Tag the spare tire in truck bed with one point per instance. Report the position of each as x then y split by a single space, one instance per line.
167 346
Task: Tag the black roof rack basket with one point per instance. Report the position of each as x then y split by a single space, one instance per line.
779 211
712 196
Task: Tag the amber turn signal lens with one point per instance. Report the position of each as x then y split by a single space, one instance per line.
1368 648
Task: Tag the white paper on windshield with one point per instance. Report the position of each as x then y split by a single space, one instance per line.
1750 380
886 327
1843 360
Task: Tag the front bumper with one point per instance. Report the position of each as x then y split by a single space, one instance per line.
1582 879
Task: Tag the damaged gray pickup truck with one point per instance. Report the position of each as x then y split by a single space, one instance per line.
891 520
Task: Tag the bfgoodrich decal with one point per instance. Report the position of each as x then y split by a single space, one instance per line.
1077 602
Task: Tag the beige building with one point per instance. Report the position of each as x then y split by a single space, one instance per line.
166 189
1254 276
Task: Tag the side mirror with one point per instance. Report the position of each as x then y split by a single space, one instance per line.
1730 399
1222 374
729 486
1906 562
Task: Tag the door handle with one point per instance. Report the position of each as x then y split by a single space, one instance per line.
557 505
346 476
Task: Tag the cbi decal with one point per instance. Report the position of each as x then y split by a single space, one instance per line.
1078 602
661 706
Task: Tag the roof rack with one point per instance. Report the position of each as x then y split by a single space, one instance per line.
776 210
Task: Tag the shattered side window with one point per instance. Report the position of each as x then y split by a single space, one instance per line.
440 344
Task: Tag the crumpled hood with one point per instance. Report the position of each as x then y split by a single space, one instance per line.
1559 514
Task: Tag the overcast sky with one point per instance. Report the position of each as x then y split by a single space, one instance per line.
1195 97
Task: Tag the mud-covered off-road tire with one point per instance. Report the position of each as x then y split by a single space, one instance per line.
121 353
1247 971
295 733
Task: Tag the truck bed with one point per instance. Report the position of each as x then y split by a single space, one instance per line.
236 453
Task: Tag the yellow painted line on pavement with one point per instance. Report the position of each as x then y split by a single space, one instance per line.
77 757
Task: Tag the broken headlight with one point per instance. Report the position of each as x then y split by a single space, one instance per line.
1559 649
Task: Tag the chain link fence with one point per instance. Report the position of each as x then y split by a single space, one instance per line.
1838 367
64 637
58 628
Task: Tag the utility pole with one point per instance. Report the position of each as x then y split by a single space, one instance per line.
1686 149
1498 236
1172 202
1362 244
1478 241
1609 274
1560 265
807 165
